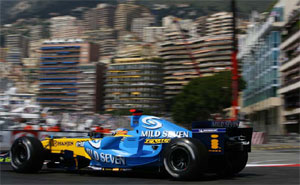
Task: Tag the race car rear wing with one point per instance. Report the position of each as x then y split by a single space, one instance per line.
221 135
216 124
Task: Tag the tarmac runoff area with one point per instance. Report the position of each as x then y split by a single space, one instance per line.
276 146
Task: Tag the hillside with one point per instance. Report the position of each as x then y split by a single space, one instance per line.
16 9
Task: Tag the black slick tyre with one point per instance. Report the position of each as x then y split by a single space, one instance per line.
238 161
27 155
185 158
233 163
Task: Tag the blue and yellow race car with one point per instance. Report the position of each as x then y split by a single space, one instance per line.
210 147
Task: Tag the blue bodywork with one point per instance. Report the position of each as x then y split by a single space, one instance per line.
143 145
131 150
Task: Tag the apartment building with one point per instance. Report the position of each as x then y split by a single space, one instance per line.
153 34
125 13
134 83
106 38
138 24
201 25
178 29
185 60
17 48
36 32
101 16
65 27
290 71
219 24
108 42
59 72
187 56
3 54
90 96
259 56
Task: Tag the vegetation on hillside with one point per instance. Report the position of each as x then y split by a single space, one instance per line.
13 10
203 97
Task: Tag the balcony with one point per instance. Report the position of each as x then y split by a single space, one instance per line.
63 50
126 85
133 96
131 73
119 80
56 63
291 81
60 56
58 47
133 67
129 90
132 101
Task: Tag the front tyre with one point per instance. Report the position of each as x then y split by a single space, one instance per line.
27 155
185 158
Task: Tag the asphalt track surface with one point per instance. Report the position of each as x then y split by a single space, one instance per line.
264 167
250 175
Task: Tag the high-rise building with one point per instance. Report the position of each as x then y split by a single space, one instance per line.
65 27
259 56
30 75
153 34
108 42
184 59
36 32
17 46
186 55
125 13
106 15
138 24
219 24
60 72
201 25
290 71
178 29
3 54
91 19
106 38
134 83
100 17
129 46
90 87
34 47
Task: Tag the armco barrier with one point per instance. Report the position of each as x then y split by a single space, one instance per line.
7 137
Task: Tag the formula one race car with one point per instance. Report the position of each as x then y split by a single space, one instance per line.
212 146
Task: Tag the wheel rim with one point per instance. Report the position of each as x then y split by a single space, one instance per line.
180 159
20 153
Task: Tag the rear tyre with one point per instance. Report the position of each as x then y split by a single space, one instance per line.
27 155
234 162
185 158
238 161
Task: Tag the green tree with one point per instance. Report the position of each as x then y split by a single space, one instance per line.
202 97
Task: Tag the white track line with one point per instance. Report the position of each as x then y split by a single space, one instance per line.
272 165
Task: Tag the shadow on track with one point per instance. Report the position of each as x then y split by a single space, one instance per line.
148 175
145 174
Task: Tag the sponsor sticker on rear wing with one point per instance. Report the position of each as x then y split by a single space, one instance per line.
209 130
216 124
